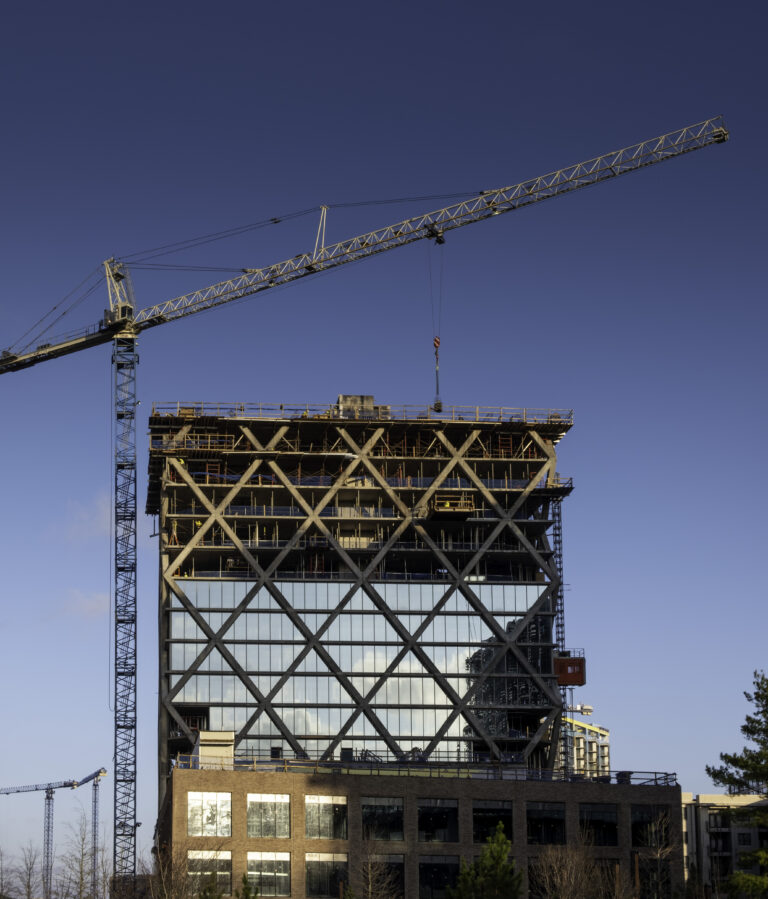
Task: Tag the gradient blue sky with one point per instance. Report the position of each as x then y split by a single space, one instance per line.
639 304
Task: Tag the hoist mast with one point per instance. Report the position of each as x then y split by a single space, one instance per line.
122 325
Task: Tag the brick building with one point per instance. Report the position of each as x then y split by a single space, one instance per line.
369 600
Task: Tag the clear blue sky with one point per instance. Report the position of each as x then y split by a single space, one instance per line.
639 304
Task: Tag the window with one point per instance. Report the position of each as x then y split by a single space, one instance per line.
383 875
720 820
208 868
269 815
546 823
744 839
599 823
720 866
438 820
486 815
650 826
719 842
535 880
326 817
382 818
436 874
655 876
209 814
325 874
270 873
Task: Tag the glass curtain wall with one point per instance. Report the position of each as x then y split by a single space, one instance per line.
369 647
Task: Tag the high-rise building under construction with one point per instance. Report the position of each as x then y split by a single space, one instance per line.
362 657
360 580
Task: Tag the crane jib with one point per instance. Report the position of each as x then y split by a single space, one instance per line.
430 225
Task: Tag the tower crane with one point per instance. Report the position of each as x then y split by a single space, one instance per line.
95 777
47 822
122 325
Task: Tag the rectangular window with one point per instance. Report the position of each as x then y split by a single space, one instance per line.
719 820
536 888
383 876
546 823
650 826
486 815
436 874
325 875
382 818
655 876
720 842
744 839
599 822
438 820
326 817
209 814
269 815
209 868
270 873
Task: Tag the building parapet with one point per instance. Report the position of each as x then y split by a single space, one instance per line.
478 771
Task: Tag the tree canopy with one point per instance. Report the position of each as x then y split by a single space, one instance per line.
747 772
493 875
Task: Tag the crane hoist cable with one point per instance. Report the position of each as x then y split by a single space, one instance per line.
436 319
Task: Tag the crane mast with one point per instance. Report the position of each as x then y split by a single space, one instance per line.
121 325
124 362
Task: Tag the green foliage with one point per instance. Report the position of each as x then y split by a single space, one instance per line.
492 876
210 890
247 889
747 772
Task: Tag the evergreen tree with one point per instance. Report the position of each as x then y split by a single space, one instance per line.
492 876
747 772
247 890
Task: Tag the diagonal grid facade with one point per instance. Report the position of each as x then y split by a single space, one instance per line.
359 581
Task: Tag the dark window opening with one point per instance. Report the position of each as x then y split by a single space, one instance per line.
599 823
382 818
438 821
546 823
486 816
436 875
650 826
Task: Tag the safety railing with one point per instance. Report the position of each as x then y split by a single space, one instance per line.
377 412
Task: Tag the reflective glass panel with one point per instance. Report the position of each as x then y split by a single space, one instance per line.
269 815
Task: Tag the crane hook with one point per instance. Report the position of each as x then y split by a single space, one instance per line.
438 404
